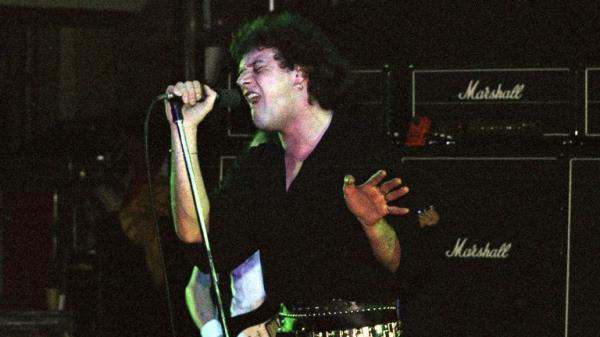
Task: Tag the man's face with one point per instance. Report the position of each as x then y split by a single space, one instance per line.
268 88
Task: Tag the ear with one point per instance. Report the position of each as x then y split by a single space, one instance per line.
301 77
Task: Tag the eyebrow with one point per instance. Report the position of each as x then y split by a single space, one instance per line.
251 65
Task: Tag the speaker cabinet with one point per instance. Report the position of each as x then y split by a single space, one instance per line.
584 225
592 102
497 261
506 103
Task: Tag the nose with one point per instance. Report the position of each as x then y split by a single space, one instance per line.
244 79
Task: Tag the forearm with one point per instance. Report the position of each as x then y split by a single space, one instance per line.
182 202
384 244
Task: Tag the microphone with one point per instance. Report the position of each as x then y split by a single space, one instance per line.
226 98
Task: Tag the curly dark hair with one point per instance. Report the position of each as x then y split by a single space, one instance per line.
299 43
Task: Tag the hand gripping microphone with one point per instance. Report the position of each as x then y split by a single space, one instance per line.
226 98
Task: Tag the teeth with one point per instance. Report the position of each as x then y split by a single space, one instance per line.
252 97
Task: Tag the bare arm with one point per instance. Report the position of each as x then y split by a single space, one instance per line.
369 203
384 244
182 202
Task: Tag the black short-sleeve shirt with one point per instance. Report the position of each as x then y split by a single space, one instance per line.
312 248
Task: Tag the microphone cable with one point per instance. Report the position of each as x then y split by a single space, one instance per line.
154 214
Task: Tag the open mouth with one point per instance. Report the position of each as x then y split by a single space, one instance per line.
252 98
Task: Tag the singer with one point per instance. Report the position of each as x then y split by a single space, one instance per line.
318 201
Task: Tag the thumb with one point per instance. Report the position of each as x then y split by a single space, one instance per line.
348 182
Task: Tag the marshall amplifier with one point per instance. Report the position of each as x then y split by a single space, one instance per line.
487 104
496 264
584 229
372 91
592 102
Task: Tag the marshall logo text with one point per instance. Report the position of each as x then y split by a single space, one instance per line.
473 93
478 252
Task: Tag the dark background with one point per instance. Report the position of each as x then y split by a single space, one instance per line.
75 83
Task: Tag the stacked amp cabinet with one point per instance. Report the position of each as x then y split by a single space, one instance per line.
583 286
486 107
496 262
592 102
515 250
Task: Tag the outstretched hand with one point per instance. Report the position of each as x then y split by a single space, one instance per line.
369 201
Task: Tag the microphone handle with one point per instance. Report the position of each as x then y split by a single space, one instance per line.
175 103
